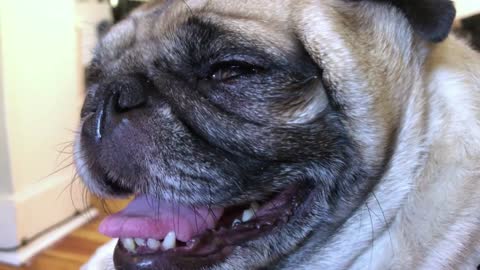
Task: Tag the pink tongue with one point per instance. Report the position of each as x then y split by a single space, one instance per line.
147 218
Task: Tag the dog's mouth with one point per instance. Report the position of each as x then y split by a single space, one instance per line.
165 235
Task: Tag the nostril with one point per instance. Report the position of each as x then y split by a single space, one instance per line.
132 93
109 104
129 100
89 105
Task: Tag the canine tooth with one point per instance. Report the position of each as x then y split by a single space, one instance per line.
191 242
129 244
170 241
153 244
140 242
236 222
255 206
248 215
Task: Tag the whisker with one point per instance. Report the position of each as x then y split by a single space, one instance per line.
69 185
105 207
188 7
85 196
62 149
210 210
385 221
195 215
72 131
57 171
173 209
204 220
373 235
178 207
70 157
64 143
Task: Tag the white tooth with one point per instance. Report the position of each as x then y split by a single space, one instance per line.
140 242
236 222
255 206
170 241
153 244
129 244
248 215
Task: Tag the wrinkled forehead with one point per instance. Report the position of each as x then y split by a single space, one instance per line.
176 11
263 21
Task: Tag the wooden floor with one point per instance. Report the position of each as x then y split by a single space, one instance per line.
74 250
69 253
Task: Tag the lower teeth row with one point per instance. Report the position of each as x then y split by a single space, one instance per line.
131 244
170 241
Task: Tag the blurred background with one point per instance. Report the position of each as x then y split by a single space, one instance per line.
47 218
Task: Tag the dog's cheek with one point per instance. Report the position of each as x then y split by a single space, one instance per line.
277 102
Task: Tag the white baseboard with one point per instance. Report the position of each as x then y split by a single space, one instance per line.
28 212
22 255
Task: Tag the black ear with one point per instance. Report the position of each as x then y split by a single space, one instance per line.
431 19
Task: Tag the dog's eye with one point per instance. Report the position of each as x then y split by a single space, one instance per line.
226 71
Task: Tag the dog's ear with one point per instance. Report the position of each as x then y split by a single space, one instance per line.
431 19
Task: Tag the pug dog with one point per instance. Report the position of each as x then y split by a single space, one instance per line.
286 134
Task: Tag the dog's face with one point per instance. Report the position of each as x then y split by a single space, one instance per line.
201 108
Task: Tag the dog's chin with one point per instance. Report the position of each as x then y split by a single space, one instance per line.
205 236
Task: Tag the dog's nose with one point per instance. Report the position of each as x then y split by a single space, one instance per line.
111 102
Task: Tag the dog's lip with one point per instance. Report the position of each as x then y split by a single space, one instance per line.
166 260
214 245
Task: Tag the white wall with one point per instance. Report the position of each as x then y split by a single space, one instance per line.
39 107
39 59
89 14
467 7
6 186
